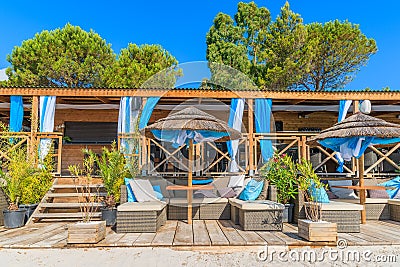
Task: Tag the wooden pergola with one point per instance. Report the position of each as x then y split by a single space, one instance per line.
112 96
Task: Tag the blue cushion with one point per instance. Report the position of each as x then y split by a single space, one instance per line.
207 181
318 194
395 182
157 190
252 190
131 195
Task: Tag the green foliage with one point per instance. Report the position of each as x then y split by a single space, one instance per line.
281 171
336 51
83 181
68 57
136 64
285 53
113 170
307 179
24 182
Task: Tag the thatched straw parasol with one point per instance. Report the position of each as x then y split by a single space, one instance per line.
192 120
359 125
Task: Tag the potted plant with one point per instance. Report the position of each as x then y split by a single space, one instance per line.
17 169
313 228
281 172
36 185
112 169
86 231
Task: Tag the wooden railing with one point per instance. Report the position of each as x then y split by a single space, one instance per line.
161 158
10 141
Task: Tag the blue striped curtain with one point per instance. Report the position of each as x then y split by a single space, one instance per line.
263 110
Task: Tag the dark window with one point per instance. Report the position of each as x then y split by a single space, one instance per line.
279 126
91 132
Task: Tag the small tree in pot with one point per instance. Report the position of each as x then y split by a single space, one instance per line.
281 172
17 170
113 170
309 184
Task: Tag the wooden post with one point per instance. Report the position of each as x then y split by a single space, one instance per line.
360 169
190 178
34 127
303 148
362 191
250 117
144 149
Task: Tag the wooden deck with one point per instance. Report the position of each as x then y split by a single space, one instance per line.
201 234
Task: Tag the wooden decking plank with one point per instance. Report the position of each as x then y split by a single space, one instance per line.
128 239
37 238
34 231
51 241
215 233
111 239
372 239
385 228
353 240
56 195
389 237
165 235
144 239
200 234
271 238
250 237
183 235
234 238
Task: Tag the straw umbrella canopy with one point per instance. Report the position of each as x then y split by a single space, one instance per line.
359 125
191 126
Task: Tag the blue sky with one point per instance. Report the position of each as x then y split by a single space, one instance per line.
181 26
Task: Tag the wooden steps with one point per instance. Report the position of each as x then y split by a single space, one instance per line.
61 203
66 205
59 195
66 215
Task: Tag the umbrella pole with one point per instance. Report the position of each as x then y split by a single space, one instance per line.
362 190
190 192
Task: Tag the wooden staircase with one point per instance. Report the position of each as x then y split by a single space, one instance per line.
62 202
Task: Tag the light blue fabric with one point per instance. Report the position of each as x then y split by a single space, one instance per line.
252 190
16 113
318 194
206 181
129 191
147 111
263 125
180 137
344 106
129 108
157 190
335 143
235 122
395 183
47 112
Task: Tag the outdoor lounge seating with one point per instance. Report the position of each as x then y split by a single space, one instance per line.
257 215
140 217
346 215
3 206
394 209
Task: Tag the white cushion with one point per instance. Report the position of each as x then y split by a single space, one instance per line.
256 204
145 206
143 190
236 181
367 200
335 205
342 192
239 190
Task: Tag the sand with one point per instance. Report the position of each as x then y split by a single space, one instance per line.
208 256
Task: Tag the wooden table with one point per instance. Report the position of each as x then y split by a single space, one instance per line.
189 189
362 189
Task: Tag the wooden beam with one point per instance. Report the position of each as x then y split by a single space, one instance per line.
104 100
295 102
4 99
34 125
202 93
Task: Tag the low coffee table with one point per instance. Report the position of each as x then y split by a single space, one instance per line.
257 215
